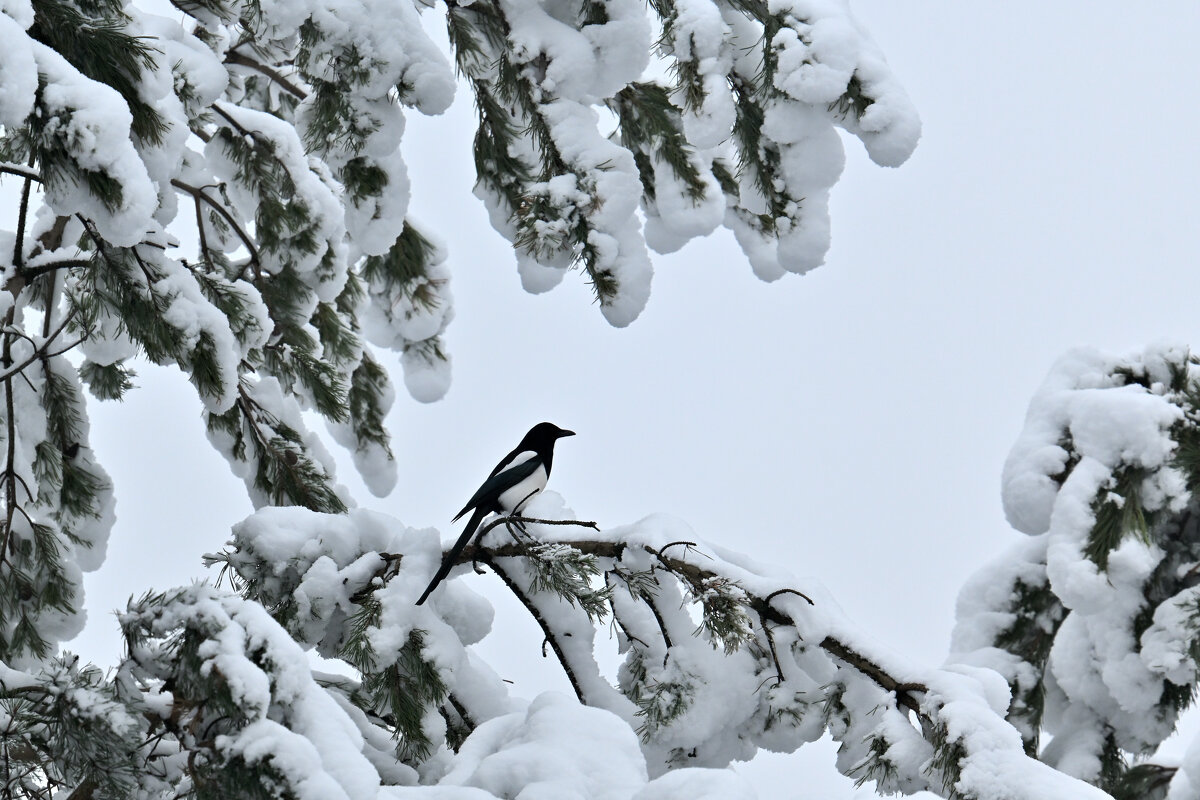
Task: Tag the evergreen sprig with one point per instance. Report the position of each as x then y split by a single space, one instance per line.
1143 782
568 573
724 616
661 703
284 471
1119 512
1037 614
107 381
401 692
875 765
368 384
94 39
947 762
650 128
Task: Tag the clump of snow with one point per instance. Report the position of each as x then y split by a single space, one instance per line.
91 122
427 379
675 217
696 783
410 317
554 748
18 72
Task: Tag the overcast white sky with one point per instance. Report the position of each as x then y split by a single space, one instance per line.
850 424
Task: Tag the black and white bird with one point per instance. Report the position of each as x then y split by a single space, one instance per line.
519 476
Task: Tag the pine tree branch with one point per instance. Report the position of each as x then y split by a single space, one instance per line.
462 711
31 273
242 60
84 791
695 575
20 170
42 351
200 229
51 238
10 486
233 123
202 134
22 214
541 621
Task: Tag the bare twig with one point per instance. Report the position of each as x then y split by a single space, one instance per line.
198 193
242 60
616 616
20 170
766 626
778 592
686 545
42 351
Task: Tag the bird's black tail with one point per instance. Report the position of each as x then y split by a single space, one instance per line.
451 557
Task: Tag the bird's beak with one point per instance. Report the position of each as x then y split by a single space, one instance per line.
562 433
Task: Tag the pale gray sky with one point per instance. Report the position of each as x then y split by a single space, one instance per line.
850 424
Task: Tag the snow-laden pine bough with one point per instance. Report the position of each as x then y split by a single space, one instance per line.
721 657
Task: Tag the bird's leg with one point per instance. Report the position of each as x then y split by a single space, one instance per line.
515 513
514 528
474 559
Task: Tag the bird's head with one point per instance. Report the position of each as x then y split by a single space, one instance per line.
543 435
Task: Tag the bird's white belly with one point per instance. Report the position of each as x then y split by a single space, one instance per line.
515 495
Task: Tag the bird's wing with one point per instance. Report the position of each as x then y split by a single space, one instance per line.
493 487
516 456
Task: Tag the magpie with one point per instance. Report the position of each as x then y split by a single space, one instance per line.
520 475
